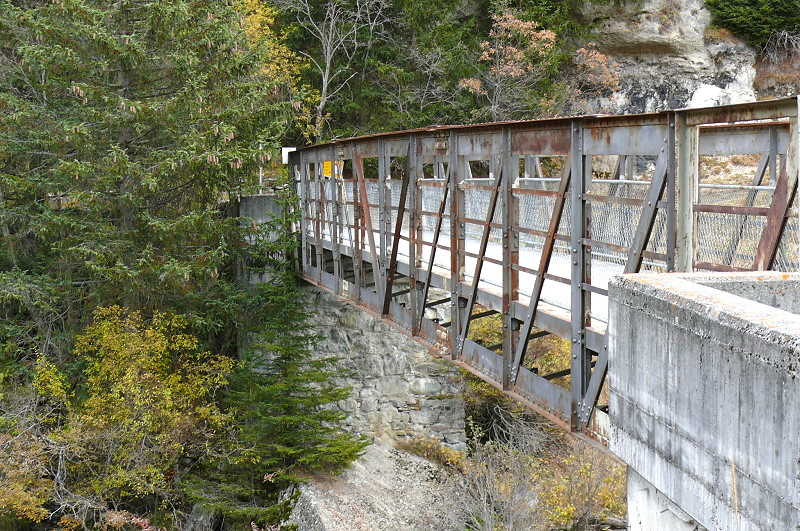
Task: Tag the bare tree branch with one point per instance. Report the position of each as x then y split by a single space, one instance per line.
342 30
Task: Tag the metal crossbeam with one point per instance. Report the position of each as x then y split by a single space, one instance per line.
544 264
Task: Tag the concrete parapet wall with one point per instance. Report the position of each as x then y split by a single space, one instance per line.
650 510
705 396
260 208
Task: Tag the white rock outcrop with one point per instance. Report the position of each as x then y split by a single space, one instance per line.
668 59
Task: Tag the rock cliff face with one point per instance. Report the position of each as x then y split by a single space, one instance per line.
399 390
669 58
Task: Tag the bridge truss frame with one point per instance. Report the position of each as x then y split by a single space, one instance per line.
352 242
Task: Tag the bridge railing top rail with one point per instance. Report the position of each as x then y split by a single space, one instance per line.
755 115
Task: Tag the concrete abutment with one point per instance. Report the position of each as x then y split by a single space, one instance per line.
705 399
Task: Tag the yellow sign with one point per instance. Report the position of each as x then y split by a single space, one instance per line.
326 168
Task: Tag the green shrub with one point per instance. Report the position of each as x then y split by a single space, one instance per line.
756 20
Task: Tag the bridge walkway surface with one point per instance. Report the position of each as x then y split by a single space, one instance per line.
436 228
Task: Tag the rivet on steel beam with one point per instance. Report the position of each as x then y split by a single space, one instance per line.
574 340
574 250
574 262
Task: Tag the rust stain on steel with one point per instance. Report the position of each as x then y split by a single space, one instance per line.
711 115
732 209
601 134
782 199
550 142
736 113
782 124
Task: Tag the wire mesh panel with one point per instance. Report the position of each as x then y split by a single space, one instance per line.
478 194
431 193
788 257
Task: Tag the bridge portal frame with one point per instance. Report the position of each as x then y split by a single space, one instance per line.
363 213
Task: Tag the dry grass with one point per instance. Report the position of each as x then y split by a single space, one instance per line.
732 169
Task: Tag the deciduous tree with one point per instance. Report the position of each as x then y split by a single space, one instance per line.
519 60
127 131
334 33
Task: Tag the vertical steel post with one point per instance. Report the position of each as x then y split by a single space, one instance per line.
297 160
413 235
773 155
671 207
384 214
456 241
509 220
336 225
688 190
580 370
359 203
318 226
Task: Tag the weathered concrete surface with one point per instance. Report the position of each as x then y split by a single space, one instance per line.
705 397
399 390
259 208
649 509
779 290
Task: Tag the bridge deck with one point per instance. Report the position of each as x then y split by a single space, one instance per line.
544 213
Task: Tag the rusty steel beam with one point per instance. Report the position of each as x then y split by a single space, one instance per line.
580 273
336 223
456 236
510 219
390 272
358 168
544 264
776 221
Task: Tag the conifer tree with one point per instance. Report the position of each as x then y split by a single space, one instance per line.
126 128
280 398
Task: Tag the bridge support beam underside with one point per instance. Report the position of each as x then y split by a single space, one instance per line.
524 224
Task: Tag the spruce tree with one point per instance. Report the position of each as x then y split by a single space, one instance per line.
124 128
280 398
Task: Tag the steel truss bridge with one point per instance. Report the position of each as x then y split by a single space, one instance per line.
438 228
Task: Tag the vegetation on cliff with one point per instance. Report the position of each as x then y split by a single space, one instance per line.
757 21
